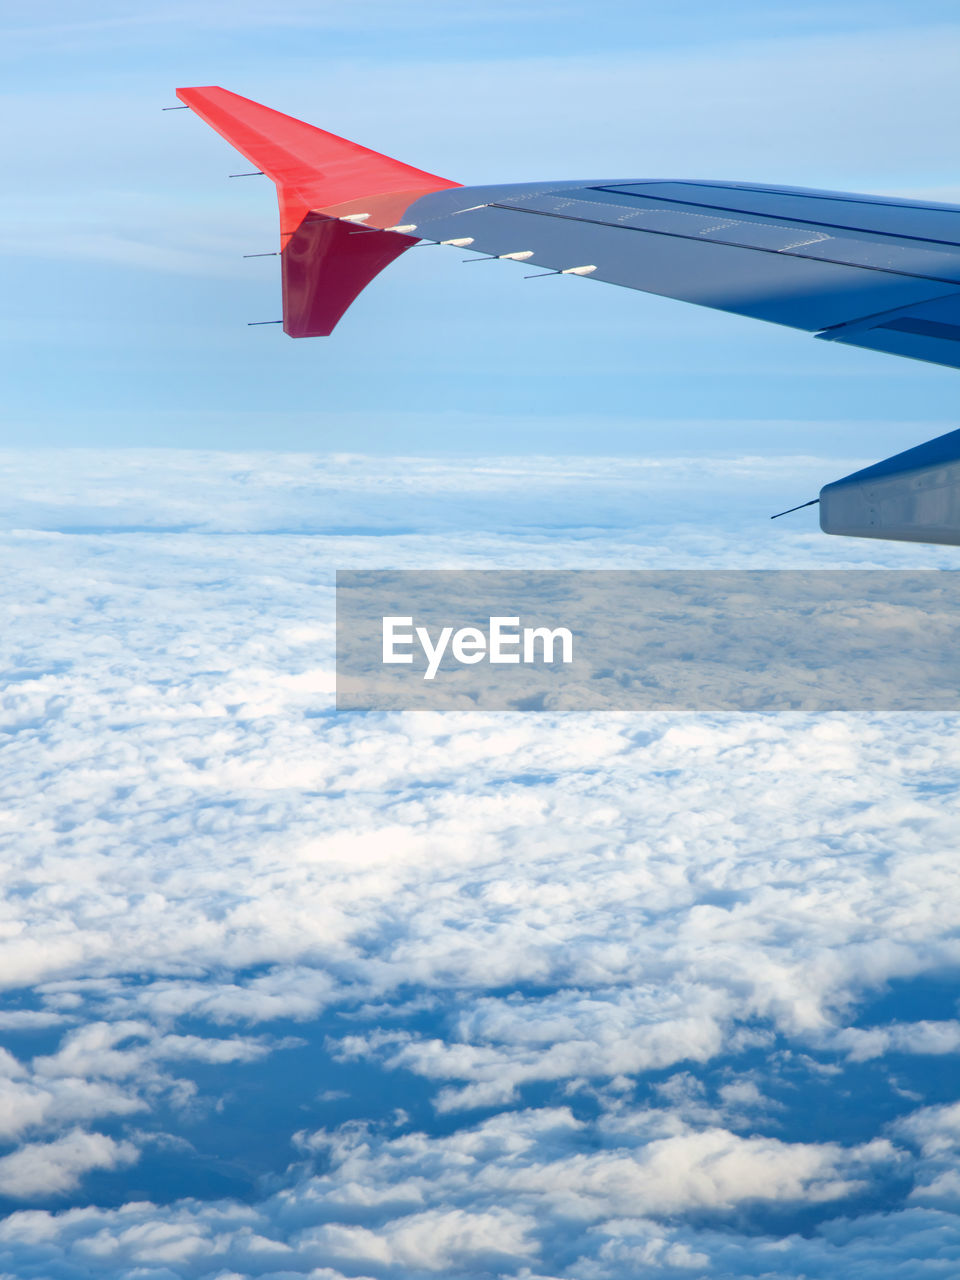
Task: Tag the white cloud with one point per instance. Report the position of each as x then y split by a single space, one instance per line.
93 1051
863 1043
51 1168
502 904
935 1129
29 1105
494 1199
433 1241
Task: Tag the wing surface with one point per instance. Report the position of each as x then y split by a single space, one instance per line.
864 271
861 270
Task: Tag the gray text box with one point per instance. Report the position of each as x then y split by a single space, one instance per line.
647 640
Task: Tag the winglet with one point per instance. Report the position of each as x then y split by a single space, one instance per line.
320 179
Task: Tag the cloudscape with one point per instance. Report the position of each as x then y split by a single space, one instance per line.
289 992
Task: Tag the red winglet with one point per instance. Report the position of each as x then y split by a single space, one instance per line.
320 178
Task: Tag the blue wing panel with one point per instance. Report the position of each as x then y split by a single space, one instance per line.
861 247
862 268
881 214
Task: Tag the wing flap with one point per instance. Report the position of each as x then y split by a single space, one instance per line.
928 331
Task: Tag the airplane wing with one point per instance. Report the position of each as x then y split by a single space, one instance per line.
861 270
867 271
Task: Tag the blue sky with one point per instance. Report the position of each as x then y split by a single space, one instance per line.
127 300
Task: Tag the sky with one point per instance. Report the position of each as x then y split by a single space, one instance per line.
127 298
389 996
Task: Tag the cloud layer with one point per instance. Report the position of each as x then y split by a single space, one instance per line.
521 994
